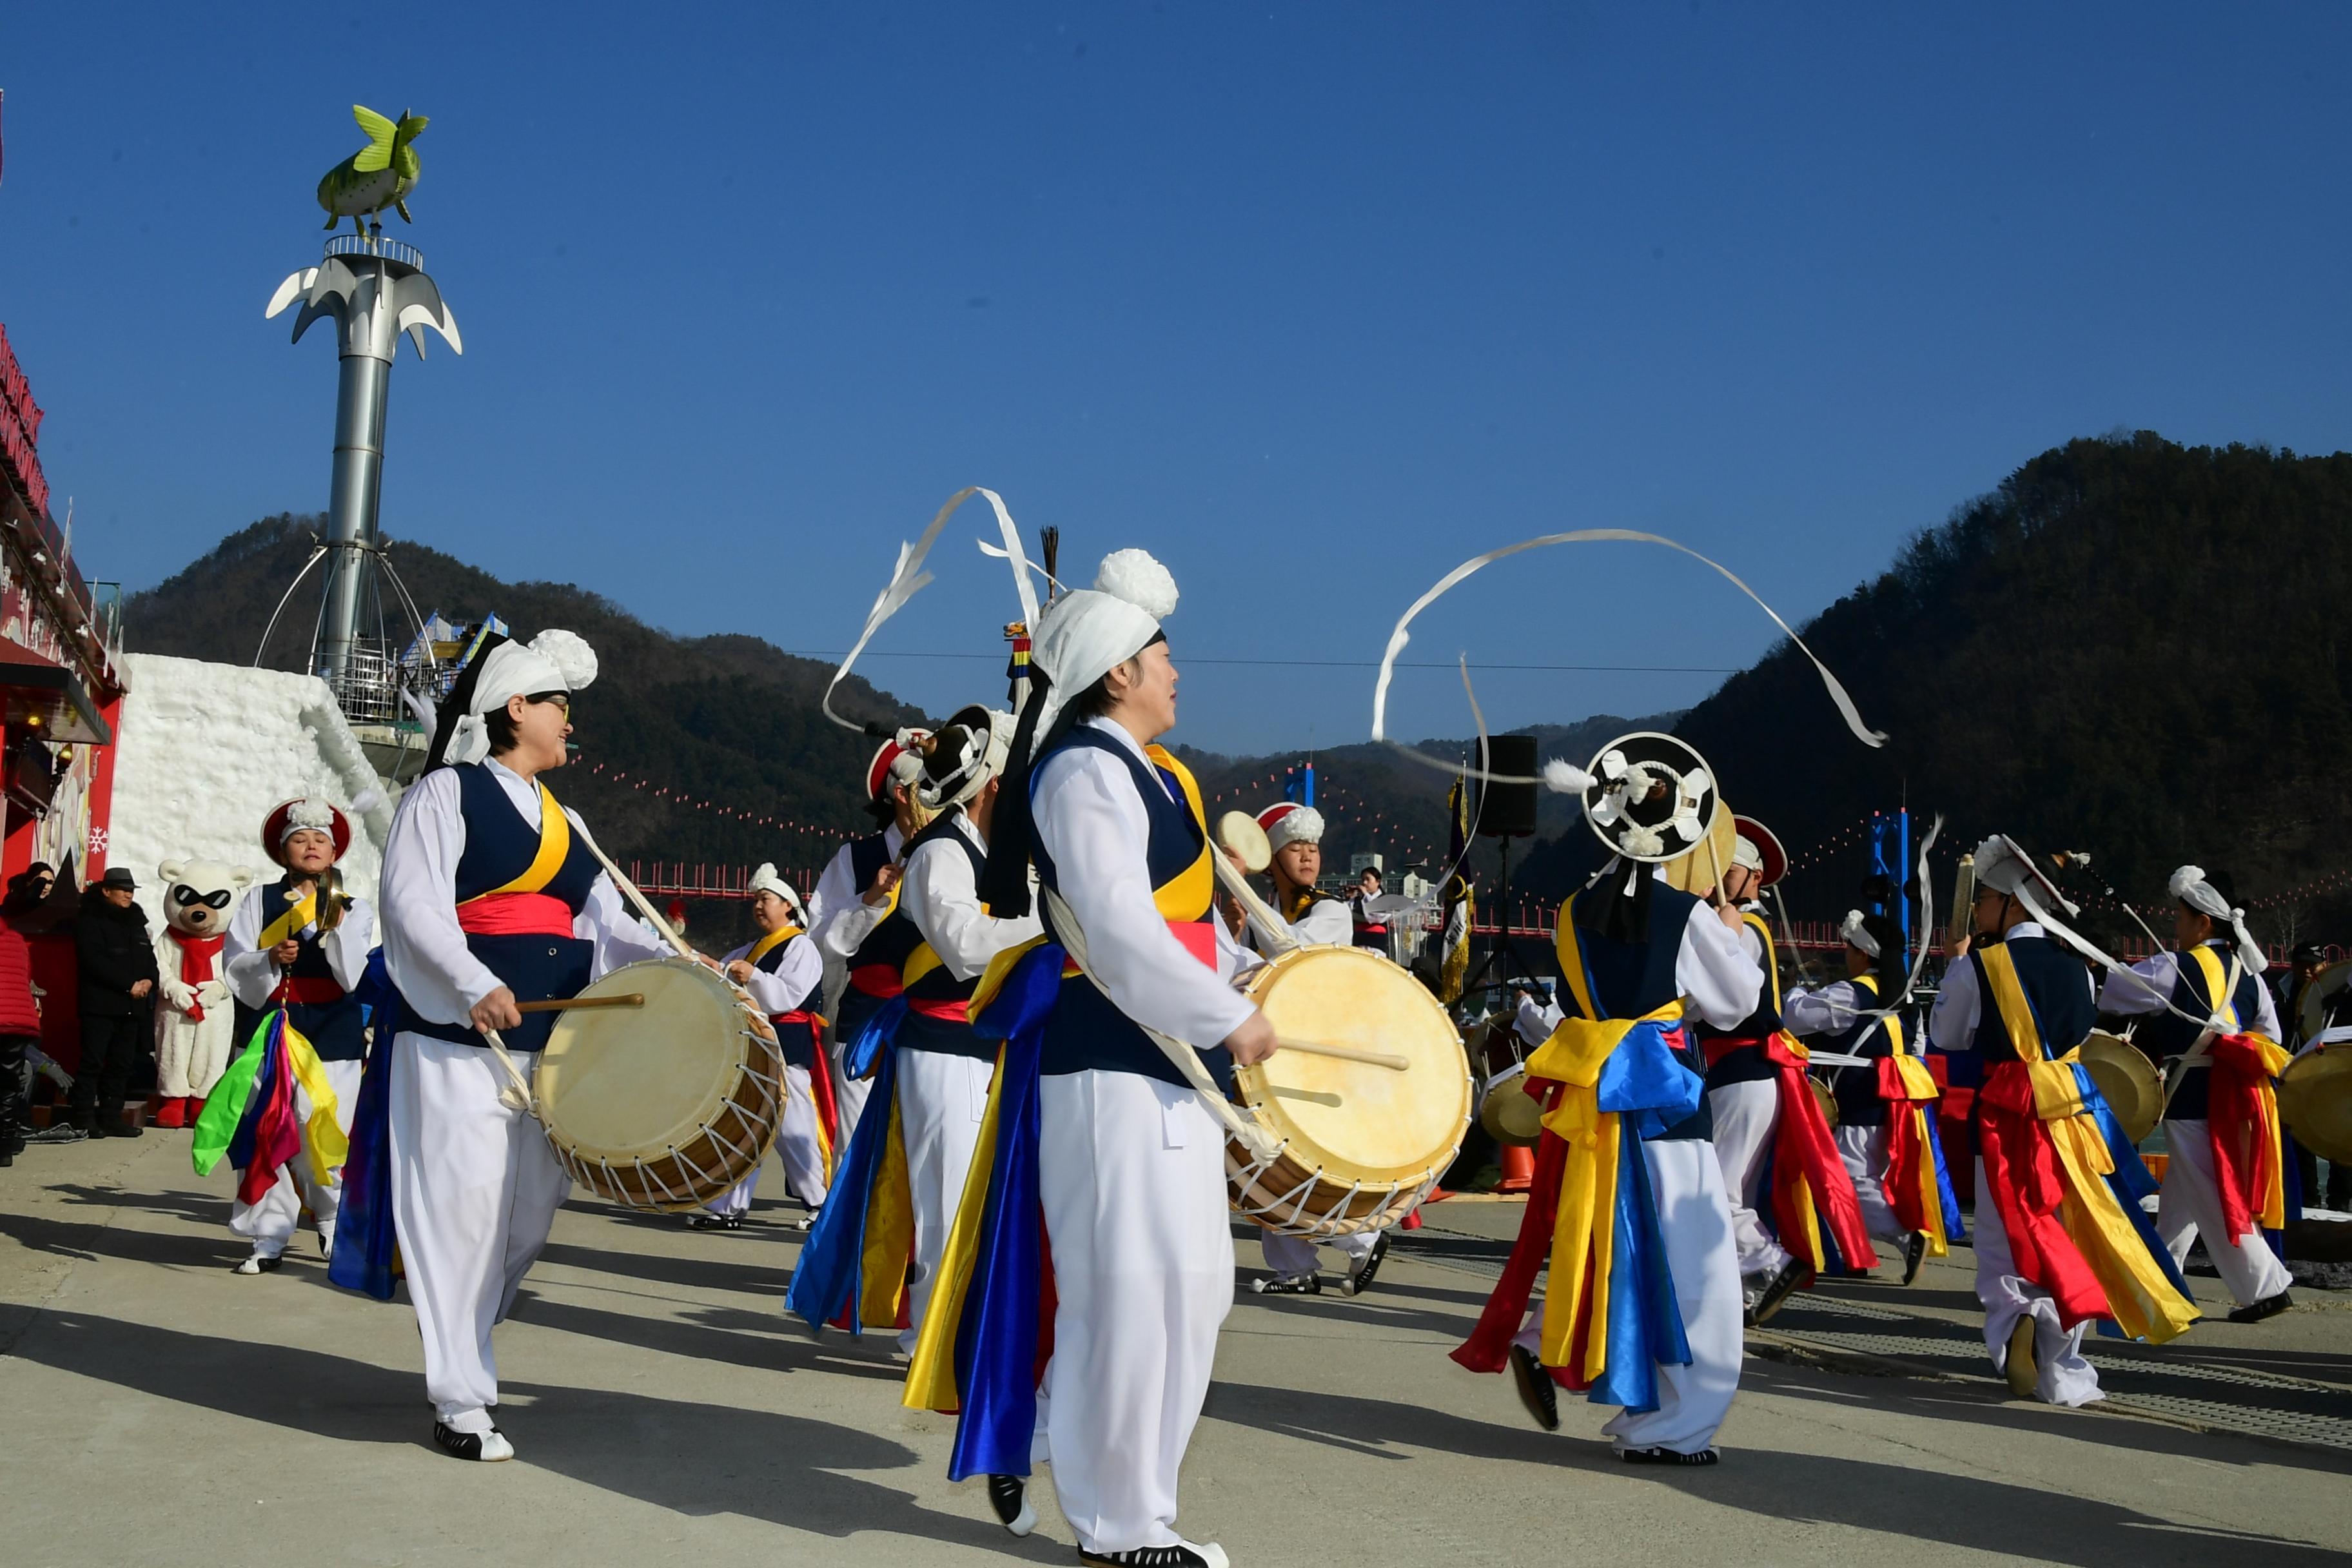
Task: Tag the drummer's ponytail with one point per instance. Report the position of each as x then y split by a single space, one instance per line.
1004 882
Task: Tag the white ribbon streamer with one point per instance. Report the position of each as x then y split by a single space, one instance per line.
1401 635
909 578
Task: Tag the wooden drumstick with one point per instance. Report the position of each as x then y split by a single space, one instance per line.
565 1004
1388 1059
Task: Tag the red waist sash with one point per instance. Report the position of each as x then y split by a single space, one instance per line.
515 914
310 990
947 1009
881 980
2026 1188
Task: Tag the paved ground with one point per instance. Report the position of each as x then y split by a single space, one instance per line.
158 1409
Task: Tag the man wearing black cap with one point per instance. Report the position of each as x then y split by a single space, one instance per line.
117 958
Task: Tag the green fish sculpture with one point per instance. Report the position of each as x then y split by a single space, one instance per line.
379 175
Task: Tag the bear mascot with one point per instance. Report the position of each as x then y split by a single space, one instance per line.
195 1026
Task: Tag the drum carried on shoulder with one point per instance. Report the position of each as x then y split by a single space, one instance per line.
667 1104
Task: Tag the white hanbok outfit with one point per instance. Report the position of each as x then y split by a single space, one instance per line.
253 978
2189 1202
1131 1174
1746 1116
1324 920
786 988
2063 1375
1721 982
943 1094
474 1185
1831 1010
839 920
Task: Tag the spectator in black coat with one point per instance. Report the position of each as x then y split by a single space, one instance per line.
117 959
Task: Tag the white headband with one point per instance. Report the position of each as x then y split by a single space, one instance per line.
1088 632
308 816
554 660
766 880
950 780
2190 887
1856 935
1745 854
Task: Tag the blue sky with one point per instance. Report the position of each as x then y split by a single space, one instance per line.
1311 301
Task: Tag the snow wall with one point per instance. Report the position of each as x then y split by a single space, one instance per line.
204 750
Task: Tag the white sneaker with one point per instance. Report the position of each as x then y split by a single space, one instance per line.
257 1264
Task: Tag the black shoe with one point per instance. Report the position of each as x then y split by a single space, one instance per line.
2268 1307
703 1219
1359 1276
490 1445
1667 1457
1538 1392
126 1127
1207 1555
1915 1252
1009 1496
1776 1294
1279 1285
257 1264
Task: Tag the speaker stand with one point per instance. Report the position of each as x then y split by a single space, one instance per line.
1504 942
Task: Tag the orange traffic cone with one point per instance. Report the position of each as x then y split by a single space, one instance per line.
1519 1163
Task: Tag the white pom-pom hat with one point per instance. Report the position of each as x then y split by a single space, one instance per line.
1086 633
766 880
1290 822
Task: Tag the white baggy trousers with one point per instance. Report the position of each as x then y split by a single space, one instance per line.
1746 1117
941 1098
1863 1152
2189 1203
1294 1256
474 1192
1695 1218
2066 1378
1132 1174
271 1223
797 1146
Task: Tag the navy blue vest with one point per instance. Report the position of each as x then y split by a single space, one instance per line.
500 847
1086 1031
1748 1064
337 1030
887 946
798 1042
938 985
2056 986
1630 979
1855 1089
2164 1034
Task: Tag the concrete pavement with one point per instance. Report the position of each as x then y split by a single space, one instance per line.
160 1409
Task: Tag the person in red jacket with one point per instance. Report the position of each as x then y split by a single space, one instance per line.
20 1025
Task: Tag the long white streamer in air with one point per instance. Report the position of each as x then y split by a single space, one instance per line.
909 578
1402 635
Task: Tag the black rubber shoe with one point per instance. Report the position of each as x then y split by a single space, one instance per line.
258 1265
1009 1496
1668 1457
1276 1285
1538 1392
1361 1274
1185 1555
1915 1252
1776 1295
2268 1307
2023 1371
489 1446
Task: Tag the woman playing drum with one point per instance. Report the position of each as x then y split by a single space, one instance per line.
491 896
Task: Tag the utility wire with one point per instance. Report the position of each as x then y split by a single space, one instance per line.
1320 663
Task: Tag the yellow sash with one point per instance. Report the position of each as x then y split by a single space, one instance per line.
292 923
2146 1303
2275 1056
770 943
554 848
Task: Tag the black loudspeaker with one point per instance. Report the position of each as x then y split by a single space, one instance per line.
1508 810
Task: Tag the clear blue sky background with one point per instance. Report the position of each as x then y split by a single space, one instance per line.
1311 301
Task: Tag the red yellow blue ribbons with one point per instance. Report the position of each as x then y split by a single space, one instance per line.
2243 1114
852 1271
1916 1183
1810 1184
2050 1157
253 1116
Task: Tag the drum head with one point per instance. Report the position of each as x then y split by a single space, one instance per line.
1696 872
624 1083
2315 1097
1353 1120
1825 1100
2133 1088
1508 1112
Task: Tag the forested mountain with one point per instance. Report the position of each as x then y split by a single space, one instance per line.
730 720
2131 647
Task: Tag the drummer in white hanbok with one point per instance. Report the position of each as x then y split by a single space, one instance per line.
1308 916
854 919
491 896
2215 954
781 969
301 942
1130 1159
944 1065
